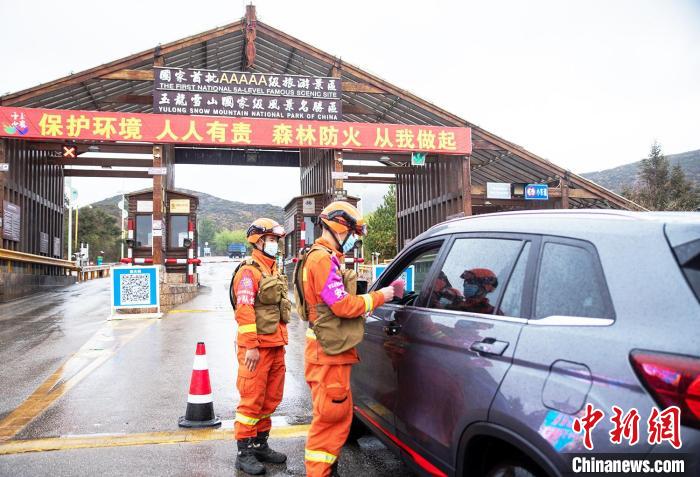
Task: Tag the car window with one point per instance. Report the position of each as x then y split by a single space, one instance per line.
471 275
511 305
570 284
414 273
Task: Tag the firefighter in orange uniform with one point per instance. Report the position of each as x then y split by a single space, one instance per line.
325 295
262 307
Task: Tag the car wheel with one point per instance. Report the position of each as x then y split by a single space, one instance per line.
510 469
357 429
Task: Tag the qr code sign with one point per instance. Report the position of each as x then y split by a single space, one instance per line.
135 289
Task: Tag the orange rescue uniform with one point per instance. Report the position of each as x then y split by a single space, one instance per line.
260 390
329 376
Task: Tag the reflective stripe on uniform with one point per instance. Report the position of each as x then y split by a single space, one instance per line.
369 302
310 333
247 420
304 275
251 328
319 456
265 416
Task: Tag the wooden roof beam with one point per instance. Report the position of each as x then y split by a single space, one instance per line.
106 173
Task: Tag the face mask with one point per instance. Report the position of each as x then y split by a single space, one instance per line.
271 248
470 290
349 243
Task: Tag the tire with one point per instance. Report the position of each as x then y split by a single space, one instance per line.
357 429
510 469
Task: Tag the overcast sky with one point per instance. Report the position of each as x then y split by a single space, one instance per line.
588 85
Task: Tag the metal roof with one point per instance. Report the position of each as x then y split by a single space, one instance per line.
493 160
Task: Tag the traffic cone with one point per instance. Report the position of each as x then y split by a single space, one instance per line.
200 404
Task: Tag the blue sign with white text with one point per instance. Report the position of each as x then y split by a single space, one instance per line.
406 276
537 192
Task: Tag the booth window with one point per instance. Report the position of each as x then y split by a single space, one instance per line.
144 232
178 230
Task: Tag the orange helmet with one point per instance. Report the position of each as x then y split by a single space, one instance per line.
483 277
339 216
262 227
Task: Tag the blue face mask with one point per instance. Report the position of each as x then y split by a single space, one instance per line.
349 243
470 290
271 248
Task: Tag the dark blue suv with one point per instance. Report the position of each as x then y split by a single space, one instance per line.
516 322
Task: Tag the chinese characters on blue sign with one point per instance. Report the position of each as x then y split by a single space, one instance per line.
537 192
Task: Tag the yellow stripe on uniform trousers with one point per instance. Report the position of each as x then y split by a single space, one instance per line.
369 302
310 333
319 456
247 420
251 328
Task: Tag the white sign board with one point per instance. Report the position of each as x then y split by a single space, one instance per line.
308 205
157 171
498 190
4 166
144 206
157 225
340 175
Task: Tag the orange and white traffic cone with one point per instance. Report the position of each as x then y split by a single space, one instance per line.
200 404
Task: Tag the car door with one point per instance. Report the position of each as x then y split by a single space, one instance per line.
374 379
567 356
458 342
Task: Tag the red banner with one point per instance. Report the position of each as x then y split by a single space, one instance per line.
69 125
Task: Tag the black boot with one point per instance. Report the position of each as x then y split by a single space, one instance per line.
263 452
246 460
334 469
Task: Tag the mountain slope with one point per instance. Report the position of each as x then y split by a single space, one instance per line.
226 214
618 177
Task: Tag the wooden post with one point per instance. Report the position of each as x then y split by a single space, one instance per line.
158 196
338 167
466 186
564 186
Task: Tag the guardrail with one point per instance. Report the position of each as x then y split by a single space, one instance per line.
93 271
14 256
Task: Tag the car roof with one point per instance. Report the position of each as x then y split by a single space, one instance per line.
572 222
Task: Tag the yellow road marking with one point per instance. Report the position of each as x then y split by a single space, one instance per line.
100 348
148 438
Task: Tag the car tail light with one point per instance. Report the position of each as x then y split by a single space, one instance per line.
673 380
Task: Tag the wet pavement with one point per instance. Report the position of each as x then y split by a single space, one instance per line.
67 371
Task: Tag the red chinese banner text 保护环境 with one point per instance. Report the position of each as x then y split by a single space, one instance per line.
69 125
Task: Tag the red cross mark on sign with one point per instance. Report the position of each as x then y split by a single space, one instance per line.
70 152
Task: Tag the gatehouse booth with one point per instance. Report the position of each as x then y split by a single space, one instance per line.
248 94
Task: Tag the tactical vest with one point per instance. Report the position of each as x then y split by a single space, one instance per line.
271 303
335 334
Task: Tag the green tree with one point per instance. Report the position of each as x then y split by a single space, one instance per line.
206 230
101 231
660 187
223 238
382 228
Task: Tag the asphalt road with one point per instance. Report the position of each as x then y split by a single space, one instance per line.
85 396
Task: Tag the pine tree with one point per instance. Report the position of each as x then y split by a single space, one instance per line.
382 228
660 187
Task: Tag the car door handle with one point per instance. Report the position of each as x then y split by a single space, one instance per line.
489 346
392 328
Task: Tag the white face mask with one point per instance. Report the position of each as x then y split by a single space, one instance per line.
271 248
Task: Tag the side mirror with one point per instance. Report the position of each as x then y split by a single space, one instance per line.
129 243
187 243
362 286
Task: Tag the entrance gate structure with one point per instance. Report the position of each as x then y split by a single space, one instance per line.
110 109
